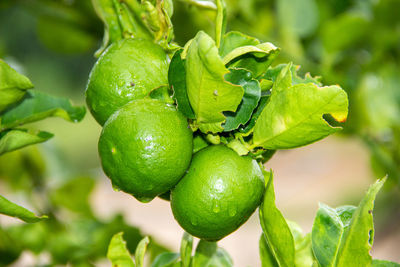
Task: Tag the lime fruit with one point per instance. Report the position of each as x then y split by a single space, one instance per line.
145 148
218 194
129 69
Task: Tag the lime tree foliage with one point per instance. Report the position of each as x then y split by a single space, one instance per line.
241 106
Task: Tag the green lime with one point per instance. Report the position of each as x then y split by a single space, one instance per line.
145 148
218 194
129 69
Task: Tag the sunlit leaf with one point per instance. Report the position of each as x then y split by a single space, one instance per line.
13 85
209 254
37 106
293 115
117 252
11 209
18 138
209 94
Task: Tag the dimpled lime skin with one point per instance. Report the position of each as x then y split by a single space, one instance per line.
129 69
218 194
145 148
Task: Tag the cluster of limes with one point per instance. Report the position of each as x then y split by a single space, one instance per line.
146 145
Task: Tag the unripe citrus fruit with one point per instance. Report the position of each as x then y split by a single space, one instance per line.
218 194
129 69
145 148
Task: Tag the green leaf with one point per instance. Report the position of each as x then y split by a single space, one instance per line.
299 17
358 238
199 143
246 129
208 254
209 94
18 138
276 231
74 195
293 115
340 234
327 232
255 58
117 252
11 209
177 81
267 259
162 93
272 75
37 106
166 259
252 94
382 263
186 249
234 39
304 256
141 251
13 85
343 31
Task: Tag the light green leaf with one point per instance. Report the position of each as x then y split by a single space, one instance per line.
117 252
381 263
293 115
252 94
18 138
141 251
74 195
186 249
347 29
166 259
344 236
13 85
327 232
37 106
304 256
11 209
299 17
266 257
358 238
209 94
276 231
256 58
272 75
208 254
233 39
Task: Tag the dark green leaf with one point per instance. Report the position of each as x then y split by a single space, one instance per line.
166 259
118 254
13 85
10 250
208 254
177 81
37 106
276 231
18 138
11 209
252 94
250 125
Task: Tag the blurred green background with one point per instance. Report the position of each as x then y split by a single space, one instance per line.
354 43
